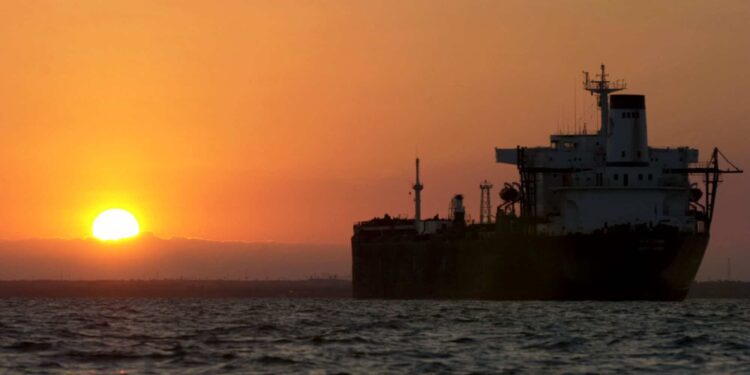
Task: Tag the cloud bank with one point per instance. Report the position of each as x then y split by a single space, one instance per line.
149 257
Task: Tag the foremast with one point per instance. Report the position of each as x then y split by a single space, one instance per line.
417 199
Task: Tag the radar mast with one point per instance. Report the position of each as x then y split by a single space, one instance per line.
602 88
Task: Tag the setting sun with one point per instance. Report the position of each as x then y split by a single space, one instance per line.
115 224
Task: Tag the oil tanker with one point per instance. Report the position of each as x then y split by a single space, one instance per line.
601 216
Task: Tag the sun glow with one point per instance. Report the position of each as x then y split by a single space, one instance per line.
115 224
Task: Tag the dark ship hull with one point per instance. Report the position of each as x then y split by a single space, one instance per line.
627 265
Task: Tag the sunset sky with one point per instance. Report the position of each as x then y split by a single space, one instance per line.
287 121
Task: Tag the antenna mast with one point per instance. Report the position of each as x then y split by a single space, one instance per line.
485 211
417 199
602 88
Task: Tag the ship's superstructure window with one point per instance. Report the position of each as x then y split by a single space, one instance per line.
650 177
640 176
625 179
616 176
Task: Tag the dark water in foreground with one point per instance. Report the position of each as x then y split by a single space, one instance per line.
332 336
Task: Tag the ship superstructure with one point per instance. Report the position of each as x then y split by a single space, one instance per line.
593 216
583 183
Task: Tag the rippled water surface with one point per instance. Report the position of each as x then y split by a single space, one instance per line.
334 336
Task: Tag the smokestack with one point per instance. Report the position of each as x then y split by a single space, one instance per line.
627 139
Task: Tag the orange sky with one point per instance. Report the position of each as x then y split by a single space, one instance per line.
289 120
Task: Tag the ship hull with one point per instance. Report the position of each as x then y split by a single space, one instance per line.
604 266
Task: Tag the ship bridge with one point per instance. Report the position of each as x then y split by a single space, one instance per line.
583 183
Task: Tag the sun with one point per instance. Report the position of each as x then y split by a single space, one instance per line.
115 224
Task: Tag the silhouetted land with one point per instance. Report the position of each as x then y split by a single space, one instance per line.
313 288
720 289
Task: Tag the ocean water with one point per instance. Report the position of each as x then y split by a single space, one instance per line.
208 336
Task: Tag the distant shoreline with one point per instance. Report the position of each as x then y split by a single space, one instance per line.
311 288
720 289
